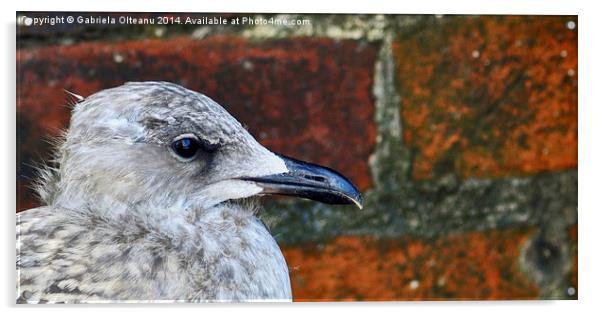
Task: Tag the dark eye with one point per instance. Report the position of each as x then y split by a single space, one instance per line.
186 147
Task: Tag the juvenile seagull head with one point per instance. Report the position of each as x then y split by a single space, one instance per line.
157 143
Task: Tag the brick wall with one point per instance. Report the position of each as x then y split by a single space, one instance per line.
461 132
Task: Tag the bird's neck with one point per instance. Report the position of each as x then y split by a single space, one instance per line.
164 216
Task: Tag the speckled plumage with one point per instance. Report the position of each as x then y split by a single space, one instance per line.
124 220
226 255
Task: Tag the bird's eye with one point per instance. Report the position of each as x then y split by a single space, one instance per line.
186 147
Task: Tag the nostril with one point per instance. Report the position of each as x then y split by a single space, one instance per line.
315 178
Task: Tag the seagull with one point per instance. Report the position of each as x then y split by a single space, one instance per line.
151 199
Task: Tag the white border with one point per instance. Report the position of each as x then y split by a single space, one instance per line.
590 131
317 6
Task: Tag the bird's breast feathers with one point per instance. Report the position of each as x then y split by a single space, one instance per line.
227 255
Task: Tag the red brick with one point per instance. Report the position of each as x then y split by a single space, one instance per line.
477 265
306 98
490 96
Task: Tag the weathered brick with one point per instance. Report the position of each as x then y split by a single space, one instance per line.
490 96
479 265
307 98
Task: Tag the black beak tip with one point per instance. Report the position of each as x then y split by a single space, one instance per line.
351 195
358 200
311 181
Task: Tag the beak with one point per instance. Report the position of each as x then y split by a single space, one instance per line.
310 181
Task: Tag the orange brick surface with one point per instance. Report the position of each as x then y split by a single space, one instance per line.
490 96
479 265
